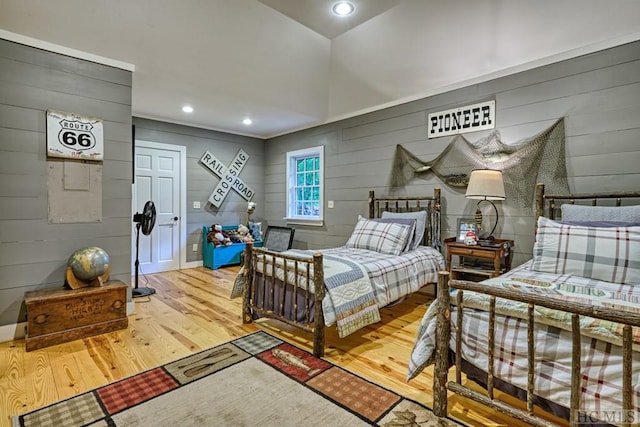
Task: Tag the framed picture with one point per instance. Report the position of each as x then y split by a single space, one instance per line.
464 226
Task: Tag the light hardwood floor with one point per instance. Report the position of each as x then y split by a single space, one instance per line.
192 311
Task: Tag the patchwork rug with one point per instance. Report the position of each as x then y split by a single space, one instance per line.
255 380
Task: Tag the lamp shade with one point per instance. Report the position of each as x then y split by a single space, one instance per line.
485 184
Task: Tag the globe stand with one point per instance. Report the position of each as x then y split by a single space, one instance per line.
139 292
74 283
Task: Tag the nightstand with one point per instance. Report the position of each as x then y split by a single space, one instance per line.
477 262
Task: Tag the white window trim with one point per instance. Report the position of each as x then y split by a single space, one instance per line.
300 220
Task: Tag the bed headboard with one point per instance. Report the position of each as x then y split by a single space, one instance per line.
431 204
548 205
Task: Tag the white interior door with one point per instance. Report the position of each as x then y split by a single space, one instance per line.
157 178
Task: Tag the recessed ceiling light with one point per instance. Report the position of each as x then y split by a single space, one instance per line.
343 8
187 109
247 121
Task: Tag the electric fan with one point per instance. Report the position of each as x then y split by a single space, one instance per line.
145 222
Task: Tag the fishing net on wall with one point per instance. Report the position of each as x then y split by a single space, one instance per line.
540 158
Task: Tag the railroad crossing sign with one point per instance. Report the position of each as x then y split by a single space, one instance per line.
229 177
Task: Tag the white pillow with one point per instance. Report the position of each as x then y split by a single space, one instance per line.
600 213
384 237
421 223
611 254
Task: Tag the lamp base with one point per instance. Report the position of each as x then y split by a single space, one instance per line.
489 242
478 218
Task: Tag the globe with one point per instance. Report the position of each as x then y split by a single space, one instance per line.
89 263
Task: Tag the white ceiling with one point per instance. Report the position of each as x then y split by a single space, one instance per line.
290 64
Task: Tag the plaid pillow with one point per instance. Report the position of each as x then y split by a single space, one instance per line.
611 254
384 237
421 223
407 221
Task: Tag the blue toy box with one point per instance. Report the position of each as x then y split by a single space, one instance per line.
215 258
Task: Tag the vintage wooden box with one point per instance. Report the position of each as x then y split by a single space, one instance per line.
55 316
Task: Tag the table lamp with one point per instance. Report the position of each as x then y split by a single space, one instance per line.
485 184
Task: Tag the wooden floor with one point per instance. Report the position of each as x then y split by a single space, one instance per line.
191 311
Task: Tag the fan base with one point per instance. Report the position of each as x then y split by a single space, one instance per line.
142 292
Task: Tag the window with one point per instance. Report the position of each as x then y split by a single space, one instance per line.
305 183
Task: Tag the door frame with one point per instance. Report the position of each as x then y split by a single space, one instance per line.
182 221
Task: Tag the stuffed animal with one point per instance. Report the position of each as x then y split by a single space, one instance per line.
244 233
211 237
235 237
217 236
251 207
470 238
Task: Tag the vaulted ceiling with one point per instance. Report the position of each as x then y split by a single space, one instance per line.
291 64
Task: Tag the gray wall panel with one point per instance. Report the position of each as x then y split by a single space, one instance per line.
42 58
12 208
25 74
12 117
34 253
20 140
626 140
24 230
29 185
384 126
49 99
597 94
13 162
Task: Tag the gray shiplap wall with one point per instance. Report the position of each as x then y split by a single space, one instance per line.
201 181
34 253
597 94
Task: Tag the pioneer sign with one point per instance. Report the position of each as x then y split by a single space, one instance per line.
229 177
462 120
72 136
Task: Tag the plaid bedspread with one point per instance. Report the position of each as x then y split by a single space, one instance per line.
393 277
564 287
390 277
602 356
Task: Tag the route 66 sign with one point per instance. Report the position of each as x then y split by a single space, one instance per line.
72 136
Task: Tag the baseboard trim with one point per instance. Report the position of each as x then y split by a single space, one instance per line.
14 331
192 264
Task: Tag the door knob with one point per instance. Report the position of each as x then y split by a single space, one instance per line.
175 218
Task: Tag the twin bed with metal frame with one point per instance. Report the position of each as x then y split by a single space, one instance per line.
388 256
560 331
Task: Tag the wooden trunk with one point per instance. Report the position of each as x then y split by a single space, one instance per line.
60 315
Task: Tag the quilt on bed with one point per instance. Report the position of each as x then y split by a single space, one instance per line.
602 368
390 278
349 303
350 293
393 277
